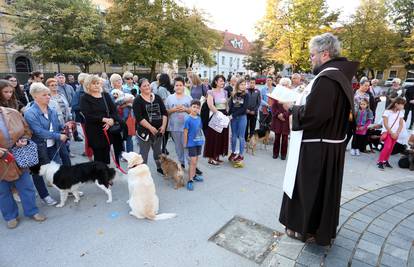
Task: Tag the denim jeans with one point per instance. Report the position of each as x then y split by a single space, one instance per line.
24 186
238 129
178 138
129 144
44 159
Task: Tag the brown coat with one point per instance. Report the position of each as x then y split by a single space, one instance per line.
18 128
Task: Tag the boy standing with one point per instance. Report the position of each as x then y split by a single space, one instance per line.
193 140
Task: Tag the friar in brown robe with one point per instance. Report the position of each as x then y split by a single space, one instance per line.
313 210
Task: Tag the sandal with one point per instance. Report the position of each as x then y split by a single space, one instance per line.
219 160
213 162
293 234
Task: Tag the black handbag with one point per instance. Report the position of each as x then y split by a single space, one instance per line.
116 128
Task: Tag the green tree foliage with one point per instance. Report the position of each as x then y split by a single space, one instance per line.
198 40
60 31
368 37
402 16
257 60
289 25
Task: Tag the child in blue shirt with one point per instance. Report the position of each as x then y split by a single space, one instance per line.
193 140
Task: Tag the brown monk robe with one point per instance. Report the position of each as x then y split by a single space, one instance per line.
313 210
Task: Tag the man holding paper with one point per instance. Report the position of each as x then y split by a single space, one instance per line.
313 178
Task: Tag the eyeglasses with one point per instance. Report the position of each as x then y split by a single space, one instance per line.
128 78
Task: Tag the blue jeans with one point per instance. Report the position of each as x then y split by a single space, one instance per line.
24 186
238 129
44 159
129 144
178 138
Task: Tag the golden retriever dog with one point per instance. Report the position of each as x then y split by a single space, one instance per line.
259 136
143 199
173 170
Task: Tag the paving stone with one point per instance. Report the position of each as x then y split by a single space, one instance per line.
408 205
405 230
402 210
395 213
289 248
356 225
379 194
358 263
366 199
309 259
377 230
342 220
349 234
357 203
276 260
345 212
335 262
408 224
365 257
400 241
361 217
373 238
369 247
384 224
368 211
339 253
389 260
396 251
344 242
351 206
394 220
315 249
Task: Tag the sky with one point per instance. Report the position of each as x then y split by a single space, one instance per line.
241 16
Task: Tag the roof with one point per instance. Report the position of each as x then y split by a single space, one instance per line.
235 43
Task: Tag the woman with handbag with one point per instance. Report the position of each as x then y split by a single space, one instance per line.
14 133
100 117
151 116
393 123
47 134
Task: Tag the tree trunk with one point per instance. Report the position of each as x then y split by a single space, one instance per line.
152 74
58 66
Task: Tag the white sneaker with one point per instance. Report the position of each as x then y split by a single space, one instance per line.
357 152
353 153
50 201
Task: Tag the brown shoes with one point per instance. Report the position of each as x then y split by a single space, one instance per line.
12 224
38 217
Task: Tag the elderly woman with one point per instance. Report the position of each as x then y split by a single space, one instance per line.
46 128
394 91
129 85
151 116
60 104
14 131
100 114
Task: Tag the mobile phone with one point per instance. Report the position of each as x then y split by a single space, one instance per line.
8 157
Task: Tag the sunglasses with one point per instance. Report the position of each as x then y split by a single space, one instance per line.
128 78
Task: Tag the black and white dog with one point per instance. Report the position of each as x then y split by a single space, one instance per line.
68 178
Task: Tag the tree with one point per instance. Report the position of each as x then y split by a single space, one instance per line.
257 59
71 33
289 25
368 37
402 17
147 31
198 40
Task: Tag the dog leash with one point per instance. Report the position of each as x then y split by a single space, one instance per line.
112 153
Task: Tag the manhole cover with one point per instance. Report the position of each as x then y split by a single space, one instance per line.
246 238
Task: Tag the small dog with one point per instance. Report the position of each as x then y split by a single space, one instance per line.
143 199
68 178
260 135
173 170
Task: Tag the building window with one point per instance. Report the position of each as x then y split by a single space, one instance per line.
238 63
231 61
223 60
205 74
380 75
393 74
222 73
23 64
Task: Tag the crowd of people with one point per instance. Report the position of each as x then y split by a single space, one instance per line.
116 111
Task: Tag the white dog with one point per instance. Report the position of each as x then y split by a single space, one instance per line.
143 199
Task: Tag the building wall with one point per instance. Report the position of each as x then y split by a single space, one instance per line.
227 63
395 71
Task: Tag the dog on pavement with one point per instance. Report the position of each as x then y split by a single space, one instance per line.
260 135
143 199
172 169
69 178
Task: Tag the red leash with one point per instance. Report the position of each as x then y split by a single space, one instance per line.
112 153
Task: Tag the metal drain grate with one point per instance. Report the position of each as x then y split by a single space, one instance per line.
246 238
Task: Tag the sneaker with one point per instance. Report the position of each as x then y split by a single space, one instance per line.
380 166
232 156
159 170
198 178
72 155
353 152
387 164
39 217
50 201
357 152
190 186
239 158
12 224
198 172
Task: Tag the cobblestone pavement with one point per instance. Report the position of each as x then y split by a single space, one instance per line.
376 229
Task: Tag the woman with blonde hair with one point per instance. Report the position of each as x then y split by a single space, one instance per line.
100 115
197 88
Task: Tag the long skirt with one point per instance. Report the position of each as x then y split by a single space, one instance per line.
217 144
